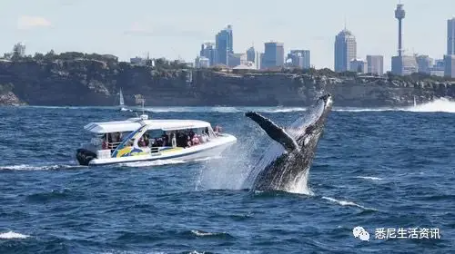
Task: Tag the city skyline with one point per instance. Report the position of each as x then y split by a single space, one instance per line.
127 31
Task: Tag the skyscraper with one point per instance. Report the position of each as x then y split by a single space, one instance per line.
273 55
224 45
345 50
451 36
208 51
358 65
375 64
300 58
449 66
251 54
449 59
424 63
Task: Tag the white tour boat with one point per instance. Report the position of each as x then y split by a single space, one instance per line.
142 139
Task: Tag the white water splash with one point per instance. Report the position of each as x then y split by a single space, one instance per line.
281 110
300 185
345 203
140 164
369 178
229 171
13 235
438 105
202 233
38 167
209 158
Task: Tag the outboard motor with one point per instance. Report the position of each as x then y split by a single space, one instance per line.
84 156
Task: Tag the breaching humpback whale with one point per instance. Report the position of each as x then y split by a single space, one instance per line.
289 160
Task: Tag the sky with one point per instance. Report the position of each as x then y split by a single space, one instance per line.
175 29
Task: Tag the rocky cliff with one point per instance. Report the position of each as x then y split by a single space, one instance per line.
84 82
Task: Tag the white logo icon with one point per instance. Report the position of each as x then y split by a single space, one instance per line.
361 233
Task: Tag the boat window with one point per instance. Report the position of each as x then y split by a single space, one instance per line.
154 133
158 138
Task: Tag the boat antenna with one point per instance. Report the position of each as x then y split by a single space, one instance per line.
143 116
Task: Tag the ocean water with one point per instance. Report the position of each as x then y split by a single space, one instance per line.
374 168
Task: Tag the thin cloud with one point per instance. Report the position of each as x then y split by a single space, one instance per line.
30 22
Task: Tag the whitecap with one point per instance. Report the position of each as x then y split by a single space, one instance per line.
369 178
13 235
346 203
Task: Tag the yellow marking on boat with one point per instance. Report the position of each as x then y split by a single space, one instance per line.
172 150
124 151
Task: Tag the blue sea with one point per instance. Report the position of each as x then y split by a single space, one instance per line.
389 171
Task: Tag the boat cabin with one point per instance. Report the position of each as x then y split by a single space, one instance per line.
152 134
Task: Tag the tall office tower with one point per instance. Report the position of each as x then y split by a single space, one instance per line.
224 45
345 50
375 64
273 55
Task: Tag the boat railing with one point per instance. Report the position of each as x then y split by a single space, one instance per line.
113 145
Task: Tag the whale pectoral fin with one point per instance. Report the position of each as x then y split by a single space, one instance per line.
274 131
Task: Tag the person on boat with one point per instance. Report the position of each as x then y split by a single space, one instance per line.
141 142
191 134
165 140
159 142
188 142
205 138
173 140
146 140
200 137
105 144
181 139
195 140
218 129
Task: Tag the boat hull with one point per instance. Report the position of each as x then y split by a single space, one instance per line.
210 149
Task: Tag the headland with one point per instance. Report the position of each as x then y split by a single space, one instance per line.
78 79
